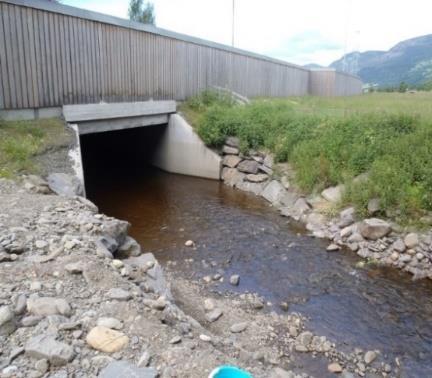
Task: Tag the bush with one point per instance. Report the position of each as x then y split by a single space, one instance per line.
395 149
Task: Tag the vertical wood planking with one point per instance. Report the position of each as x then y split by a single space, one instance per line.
12 56
68 59
6 103
32 53
53 74
51 59
21 57
59 62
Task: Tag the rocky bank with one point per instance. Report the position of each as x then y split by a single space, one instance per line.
78 298
377 240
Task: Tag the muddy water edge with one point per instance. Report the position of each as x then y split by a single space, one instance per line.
236 233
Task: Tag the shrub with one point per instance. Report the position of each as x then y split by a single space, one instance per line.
325 149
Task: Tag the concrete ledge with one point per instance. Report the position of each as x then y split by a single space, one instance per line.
182 151
100 126
30 114
90 112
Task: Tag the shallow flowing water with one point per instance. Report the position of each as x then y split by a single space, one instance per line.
370 308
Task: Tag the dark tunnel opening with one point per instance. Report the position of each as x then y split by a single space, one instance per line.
118 157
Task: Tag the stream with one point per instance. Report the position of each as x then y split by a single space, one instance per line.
370 307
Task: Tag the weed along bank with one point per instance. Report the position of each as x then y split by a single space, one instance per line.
174 207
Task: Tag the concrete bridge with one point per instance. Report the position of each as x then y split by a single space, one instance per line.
153 129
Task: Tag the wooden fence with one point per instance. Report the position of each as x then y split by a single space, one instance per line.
52 54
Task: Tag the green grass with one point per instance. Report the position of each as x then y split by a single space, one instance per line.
332 140
20 141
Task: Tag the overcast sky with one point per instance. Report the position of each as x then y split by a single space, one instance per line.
298 31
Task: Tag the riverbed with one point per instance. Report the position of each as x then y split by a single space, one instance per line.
237 233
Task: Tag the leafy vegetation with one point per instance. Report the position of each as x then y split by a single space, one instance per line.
20 141
388 137
142 11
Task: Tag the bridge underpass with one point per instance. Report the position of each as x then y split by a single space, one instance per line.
123 139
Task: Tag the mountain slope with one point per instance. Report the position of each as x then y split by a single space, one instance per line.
409 61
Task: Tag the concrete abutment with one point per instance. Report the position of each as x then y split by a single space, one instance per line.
125 138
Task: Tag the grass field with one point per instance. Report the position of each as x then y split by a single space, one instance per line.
20 141
330 141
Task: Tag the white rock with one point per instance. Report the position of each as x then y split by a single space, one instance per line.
411 240
334 367
118 264
35 286
209 305
370 356
205 338
235 279
333 247
41 244
189 243
334 193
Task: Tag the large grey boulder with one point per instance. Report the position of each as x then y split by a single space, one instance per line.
117 229
252 187
374 206
7 321
374 228
411 240
260 177
333 194
123 369
228 150
129 248
294 210
274 192
268 161
232 176
248 166
64 184
231 161
155 279
45 306
347 217
232 142
46 346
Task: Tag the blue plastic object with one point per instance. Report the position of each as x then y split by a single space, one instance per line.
229 372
